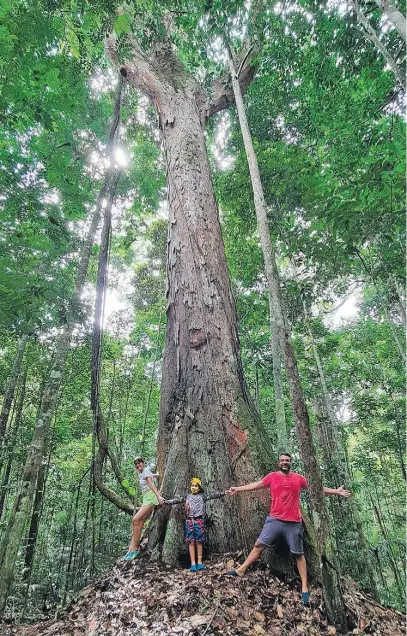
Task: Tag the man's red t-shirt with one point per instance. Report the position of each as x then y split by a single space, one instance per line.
285 493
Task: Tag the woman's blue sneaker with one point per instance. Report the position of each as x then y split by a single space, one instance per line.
305 599
193 568
131 555
200 566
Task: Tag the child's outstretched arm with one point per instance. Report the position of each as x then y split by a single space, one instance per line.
213 495
173 502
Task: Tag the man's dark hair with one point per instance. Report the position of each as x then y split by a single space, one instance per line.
138 460
286 454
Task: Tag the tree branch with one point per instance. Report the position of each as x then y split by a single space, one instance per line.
221 95
139 71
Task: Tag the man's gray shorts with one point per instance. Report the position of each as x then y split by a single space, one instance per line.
291 531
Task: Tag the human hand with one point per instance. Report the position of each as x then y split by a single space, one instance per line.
232 490
161 500
342 492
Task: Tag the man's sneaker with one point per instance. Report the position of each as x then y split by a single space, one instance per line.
193 568
305 599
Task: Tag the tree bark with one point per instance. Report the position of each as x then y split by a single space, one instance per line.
394 16
371 34
331 581
23 502
11 385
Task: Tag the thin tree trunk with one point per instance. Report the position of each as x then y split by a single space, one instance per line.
9 446
35 519
281 425
394 16
11 385
36 515
25 496
330 572
371 34
401 301
81 563
73 541
392 558
150 388
395 335
257 387
349 524
100 431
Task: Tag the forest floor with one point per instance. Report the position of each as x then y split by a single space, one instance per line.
144 598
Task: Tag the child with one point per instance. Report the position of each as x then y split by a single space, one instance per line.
194 522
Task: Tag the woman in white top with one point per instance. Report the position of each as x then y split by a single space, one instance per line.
150 498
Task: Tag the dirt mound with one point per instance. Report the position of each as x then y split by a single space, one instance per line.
143 598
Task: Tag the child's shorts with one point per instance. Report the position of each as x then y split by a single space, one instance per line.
194 530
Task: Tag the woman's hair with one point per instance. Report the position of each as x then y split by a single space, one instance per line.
138 460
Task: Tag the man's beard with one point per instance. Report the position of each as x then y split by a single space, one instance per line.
285 469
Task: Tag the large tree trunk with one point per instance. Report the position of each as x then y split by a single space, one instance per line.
394 16
331 582
208 424
11 385
24 500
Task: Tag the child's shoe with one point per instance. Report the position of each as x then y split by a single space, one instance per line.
193 568
200 566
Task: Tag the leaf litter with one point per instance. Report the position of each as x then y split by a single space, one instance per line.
145 598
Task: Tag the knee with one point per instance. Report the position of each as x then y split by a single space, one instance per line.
137 522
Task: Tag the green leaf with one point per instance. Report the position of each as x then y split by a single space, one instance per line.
122 24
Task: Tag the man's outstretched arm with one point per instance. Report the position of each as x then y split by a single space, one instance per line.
256 485
338 491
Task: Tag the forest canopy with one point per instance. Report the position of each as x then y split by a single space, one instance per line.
139 313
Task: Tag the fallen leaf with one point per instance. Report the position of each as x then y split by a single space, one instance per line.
232 612
258 629
259 616
331 630
197 619
280 612
230 564
246 612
